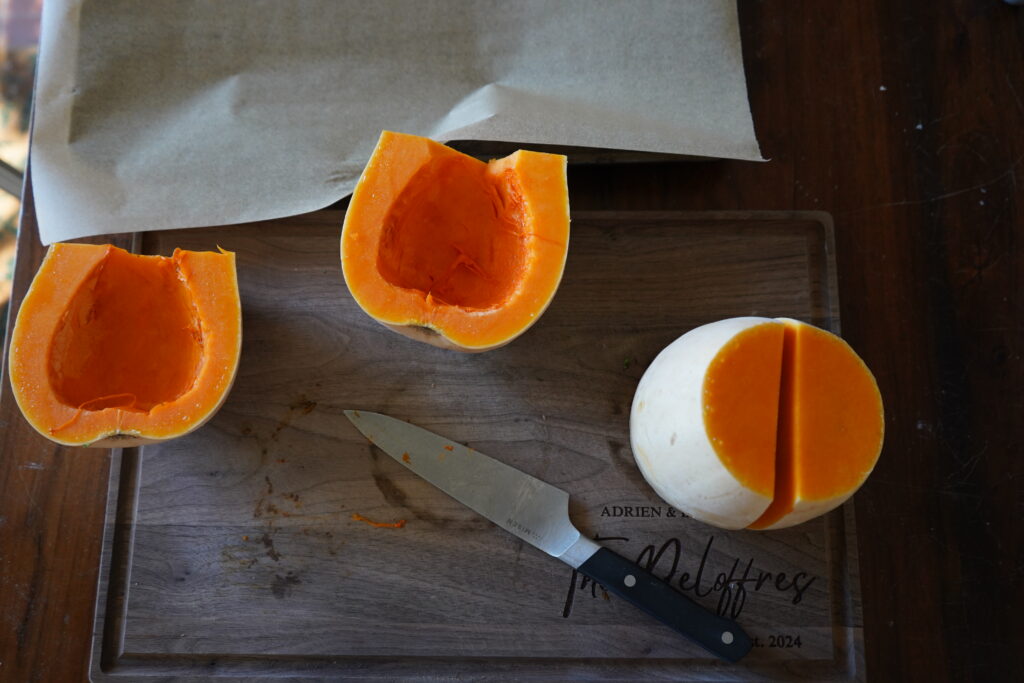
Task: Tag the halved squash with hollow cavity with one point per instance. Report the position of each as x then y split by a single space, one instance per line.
757 423
115 349
452 251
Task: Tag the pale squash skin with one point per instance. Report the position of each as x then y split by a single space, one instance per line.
428 335
668 438
541 191
209 282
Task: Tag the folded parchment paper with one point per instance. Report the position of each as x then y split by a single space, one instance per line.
168 114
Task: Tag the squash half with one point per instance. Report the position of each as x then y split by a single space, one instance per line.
452 251
757 423
115 349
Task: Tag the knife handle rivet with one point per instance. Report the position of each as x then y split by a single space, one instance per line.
727 637
630 581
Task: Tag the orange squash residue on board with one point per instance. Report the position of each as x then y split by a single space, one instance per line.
380 525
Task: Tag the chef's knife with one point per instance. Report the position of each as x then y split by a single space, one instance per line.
538 513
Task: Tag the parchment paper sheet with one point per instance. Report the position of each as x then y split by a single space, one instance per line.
168 114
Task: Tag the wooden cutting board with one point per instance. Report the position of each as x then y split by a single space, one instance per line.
232 552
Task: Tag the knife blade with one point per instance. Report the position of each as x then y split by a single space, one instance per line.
538 513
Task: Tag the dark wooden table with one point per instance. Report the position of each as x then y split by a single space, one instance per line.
905 120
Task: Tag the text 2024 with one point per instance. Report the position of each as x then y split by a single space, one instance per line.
781 640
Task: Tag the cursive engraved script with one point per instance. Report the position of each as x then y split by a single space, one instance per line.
733 586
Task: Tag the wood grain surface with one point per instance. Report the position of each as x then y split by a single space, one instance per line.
903 120
237 541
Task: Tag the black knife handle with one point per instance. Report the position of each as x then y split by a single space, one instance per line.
720 636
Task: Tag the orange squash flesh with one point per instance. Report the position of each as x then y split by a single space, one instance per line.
790 412
112 348
468 252
831 424
740 405
449 250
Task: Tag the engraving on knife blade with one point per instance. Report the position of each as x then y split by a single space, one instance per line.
513 524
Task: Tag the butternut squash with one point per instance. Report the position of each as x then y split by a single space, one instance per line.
115 349
757 423
452 251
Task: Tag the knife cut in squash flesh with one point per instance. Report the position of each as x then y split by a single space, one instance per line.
450 250
788 418
111 348
831 427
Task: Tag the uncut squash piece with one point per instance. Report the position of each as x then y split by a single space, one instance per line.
451 251
757 423
116 349
704 417
831 427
